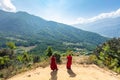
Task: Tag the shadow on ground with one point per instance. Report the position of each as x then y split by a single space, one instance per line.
71 73
53 75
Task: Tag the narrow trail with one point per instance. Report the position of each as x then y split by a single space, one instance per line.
78 72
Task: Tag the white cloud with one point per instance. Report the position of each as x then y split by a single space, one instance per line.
6 5
112 14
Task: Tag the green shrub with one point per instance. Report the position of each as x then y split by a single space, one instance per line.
92 59
108 54
49 51
36 59
58 56
1 75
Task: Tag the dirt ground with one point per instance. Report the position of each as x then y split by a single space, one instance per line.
78 72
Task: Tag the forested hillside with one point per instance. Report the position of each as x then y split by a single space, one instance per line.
28 30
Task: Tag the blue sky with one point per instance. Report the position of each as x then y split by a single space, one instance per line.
64 11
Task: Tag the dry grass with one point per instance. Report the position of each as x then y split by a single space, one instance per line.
42 64
79 60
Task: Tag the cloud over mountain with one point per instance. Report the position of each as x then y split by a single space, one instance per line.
7 5
112 14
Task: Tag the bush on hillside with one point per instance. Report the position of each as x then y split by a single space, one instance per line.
58 57
108 54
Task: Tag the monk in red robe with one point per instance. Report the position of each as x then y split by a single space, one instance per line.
69 61
53 64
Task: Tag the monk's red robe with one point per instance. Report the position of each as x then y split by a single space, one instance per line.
53 64
69 62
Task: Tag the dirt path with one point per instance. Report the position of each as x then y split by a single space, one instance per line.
78 72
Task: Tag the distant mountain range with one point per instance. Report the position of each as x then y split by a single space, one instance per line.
32 30
109 27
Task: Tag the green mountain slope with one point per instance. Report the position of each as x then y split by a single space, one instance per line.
27 30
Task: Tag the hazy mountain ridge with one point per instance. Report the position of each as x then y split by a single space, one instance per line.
109 27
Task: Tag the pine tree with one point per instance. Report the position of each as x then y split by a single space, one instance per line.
49 51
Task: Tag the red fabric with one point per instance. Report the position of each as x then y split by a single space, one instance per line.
69 62
53 64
